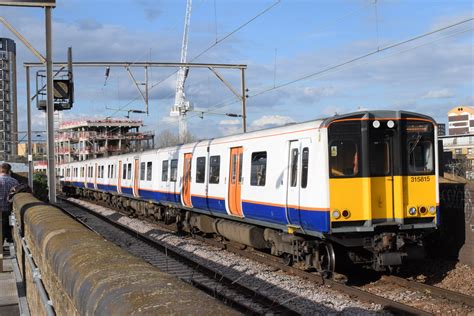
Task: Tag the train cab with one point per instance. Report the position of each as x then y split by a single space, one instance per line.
383 173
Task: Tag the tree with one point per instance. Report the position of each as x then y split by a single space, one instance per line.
167 138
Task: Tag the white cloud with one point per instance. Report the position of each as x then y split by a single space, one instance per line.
333 110
438 94
318 92
229 122
271 121
169 119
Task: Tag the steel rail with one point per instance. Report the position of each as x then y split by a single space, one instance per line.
432 290
387 304
253 296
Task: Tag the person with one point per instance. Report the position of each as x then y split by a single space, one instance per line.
6 184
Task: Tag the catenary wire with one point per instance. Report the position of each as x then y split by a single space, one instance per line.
204 51
330 71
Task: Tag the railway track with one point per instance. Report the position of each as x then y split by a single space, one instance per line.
362 295
167 259
432 290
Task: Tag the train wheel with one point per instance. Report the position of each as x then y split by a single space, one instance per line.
287 259
325 259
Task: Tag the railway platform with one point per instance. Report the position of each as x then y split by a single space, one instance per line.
12 292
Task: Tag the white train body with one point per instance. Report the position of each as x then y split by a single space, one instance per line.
346 179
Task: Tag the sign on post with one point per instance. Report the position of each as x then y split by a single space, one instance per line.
29 3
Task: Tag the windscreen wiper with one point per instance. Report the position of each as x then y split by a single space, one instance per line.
417 140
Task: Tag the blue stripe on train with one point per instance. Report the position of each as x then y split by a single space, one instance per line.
160 196
213 205
309 220
107 187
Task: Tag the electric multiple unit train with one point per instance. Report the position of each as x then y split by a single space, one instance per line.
362 184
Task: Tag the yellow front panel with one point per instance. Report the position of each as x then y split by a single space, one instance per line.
352 194
371 198
382 197
417 191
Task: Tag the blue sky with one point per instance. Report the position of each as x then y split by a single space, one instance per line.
291 40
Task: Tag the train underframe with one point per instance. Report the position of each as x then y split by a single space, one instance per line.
382 250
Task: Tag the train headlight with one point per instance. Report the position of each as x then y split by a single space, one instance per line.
376 124
390 124
423 210
346 213
412 211
432 210
336 214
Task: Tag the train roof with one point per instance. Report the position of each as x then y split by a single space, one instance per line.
315 124
379 114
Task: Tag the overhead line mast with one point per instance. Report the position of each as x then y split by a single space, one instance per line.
181 105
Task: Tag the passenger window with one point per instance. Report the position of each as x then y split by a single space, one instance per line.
200 169
149 171
142 171
304 168
421 157
240 168
124 171
294 167
258 169
214 169
344 158
234 167
164 171
129 171
379 158
174 170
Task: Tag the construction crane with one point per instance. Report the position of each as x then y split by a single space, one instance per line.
181 105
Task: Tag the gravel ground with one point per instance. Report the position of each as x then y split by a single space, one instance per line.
309 298
444 273
417 299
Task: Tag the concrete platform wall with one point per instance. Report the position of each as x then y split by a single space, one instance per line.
85 275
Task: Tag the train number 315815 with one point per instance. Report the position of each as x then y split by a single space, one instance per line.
420 179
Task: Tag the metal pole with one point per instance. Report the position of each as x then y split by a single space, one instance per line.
50 109
28 114
244 99
146 88
14 116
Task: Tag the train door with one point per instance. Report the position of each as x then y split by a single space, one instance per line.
297 179
186 189
136 177
95 176
84 174
119 177
235 181
381 171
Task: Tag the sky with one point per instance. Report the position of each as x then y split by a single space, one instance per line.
288 47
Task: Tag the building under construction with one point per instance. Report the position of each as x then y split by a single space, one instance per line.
88 139
8 105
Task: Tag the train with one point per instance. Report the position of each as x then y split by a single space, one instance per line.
360 187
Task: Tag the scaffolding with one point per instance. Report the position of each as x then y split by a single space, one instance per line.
8 132
87 139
